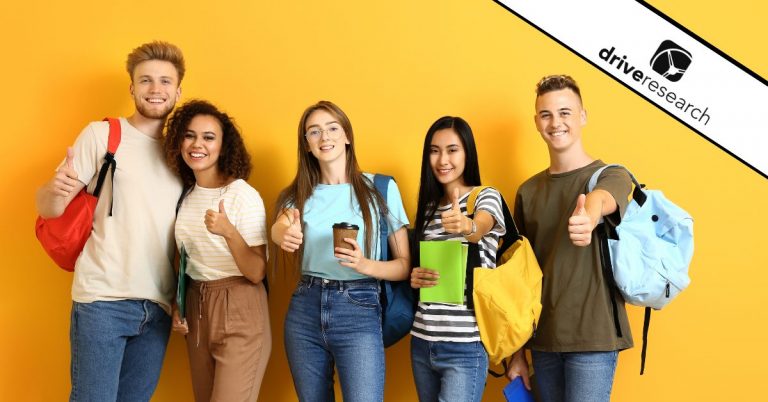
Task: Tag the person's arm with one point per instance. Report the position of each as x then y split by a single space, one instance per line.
518 367
396 269
286 231
53 197
251 261
456 222
589 209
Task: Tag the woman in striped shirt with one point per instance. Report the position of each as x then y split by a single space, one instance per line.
221 224
448 360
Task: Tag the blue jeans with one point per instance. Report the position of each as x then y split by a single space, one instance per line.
574 376
117 349
449 371
335 323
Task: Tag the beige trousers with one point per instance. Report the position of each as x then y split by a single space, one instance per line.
229 339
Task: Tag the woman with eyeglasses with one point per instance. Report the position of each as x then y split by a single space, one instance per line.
221 224
334 318
448 360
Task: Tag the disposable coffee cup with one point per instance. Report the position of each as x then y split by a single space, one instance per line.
344 230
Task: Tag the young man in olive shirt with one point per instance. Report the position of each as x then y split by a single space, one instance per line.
575 347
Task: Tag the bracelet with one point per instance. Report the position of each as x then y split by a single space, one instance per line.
474 229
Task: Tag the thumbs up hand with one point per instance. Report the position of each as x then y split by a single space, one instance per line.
217 222
580 224
453 220
292 235
65 179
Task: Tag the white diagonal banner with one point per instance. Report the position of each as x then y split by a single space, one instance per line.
664 63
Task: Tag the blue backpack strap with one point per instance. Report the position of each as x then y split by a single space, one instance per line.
381 184
637 193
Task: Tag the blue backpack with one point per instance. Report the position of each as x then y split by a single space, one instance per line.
398 302
647 255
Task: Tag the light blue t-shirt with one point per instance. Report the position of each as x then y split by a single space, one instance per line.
330 204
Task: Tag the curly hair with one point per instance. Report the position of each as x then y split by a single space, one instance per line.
234 160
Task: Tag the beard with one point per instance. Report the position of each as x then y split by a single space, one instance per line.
153 113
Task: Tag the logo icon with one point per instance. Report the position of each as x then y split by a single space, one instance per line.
671 60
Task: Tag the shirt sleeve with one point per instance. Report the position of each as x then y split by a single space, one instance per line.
251 217
489 200
617 182
397 217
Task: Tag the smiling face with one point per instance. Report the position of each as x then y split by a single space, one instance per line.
325 137
155 88
201 146
447 157
559 119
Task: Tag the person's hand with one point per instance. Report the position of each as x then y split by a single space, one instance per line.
65 179
518 367
580 224
217 222
292 236
453 220
353 258
178 324
424 277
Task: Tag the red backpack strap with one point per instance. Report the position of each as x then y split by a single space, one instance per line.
109 159
115 134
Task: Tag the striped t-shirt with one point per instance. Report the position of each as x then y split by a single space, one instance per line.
449 322
209 255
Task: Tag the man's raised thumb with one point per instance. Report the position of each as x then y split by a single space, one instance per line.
70 157
580 210
221 207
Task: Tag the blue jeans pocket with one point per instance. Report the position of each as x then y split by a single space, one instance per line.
368 298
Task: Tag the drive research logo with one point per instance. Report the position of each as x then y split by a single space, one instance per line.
671 60
674 69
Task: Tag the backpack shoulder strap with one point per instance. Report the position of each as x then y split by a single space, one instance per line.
113 141
637 192
472 199
381 183
115 134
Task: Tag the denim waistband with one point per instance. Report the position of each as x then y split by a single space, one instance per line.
333 283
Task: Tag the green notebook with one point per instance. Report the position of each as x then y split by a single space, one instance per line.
181 284
449 258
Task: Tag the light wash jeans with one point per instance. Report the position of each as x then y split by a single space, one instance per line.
117 349
335 323
449 371
574 376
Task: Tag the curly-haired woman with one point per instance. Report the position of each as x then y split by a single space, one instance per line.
221 225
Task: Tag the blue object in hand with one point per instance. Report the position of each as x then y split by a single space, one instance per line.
515 391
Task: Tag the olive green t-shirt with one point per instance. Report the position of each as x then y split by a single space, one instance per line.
576 313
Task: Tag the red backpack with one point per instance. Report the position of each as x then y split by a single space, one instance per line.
64 237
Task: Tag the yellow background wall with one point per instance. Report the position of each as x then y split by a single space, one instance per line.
394 67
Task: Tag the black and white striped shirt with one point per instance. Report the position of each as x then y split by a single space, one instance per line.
449 322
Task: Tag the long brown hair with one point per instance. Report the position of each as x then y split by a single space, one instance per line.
308 176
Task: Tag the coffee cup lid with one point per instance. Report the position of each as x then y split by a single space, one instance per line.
345 225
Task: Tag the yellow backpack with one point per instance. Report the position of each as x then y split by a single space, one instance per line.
507 299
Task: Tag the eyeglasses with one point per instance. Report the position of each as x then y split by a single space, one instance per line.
334 131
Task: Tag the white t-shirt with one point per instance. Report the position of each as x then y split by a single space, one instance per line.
129 255
209 257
